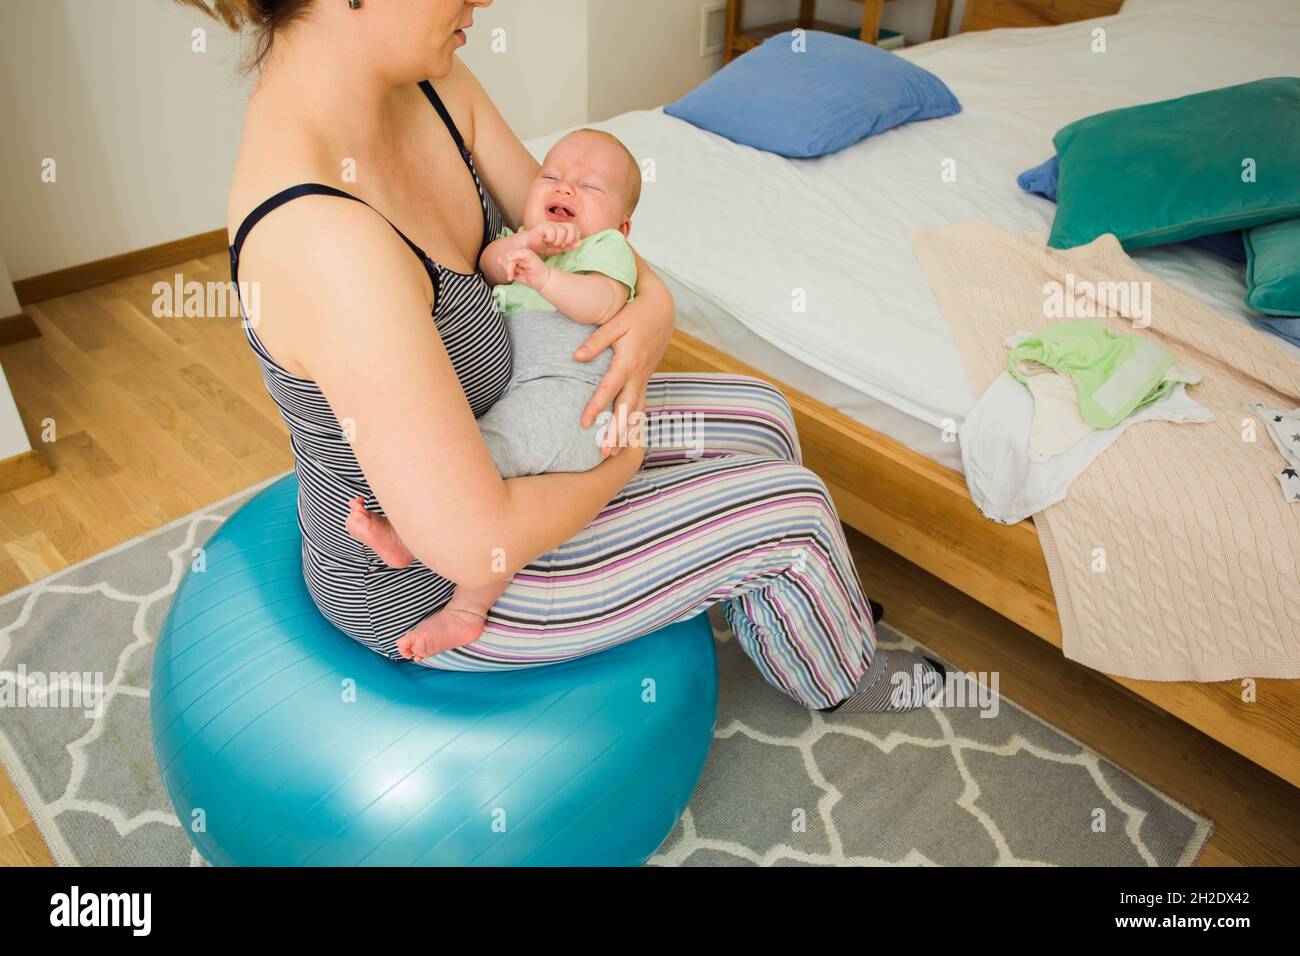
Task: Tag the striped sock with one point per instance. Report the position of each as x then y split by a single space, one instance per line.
880 691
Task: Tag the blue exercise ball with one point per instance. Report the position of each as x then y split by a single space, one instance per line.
282 742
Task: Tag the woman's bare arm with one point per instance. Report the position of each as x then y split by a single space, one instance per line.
359 305
504 164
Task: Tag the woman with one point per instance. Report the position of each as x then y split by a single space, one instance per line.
381 402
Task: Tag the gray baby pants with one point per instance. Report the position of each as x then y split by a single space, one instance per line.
535 427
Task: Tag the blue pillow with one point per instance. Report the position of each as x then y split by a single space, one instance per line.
1286 329
1041 180
831 94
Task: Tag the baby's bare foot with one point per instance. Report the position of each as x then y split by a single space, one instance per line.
376 532
450 627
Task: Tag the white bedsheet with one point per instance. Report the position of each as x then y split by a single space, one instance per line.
709 322
751 232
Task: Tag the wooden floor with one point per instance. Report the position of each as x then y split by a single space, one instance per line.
158 417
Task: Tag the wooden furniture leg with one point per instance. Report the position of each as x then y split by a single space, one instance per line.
735 16
942 15
871 11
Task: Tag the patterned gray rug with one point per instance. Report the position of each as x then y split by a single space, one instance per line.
782 786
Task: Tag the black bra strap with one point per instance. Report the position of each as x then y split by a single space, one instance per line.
294 192
438 105
320 189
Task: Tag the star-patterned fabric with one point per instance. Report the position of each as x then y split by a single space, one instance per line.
1284 428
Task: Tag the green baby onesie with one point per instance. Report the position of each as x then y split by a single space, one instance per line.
605 252
1114 375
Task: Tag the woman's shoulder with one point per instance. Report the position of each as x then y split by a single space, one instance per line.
311 248
305 230
274 155
283 196
317 264
462 94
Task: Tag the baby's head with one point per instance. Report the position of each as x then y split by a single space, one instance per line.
588 178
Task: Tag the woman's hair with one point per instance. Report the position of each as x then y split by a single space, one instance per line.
266 17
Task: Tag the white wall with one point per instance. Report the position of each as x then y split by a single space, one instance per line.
9 306
143 130
642 55
13 439
539 81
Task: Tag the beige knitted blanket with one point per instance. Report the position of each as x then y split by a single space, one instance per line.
1174 556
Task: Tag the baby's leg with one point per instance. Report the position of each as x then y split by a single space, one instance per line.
579 447
536 428
377 533
459 623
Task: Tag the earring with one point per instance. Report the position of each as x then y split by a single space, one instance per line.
354 4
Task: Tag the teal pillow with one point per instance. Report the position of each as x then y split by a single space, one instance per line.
1174 170
1273 268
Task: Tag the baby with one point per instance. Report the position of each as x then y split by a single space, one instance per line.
570 266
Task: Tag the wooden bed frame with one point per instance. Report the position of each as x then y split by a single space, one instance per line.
921 510
1001 566
992 14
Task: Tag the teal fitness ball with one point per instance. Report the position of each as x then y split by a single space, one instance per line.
282 742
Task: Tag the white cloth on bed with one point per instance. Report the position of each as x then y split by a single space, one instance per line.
1007 482
1058 424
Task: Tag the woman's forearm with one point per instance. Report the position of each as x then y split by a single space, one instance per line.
652 312
541 512
650 286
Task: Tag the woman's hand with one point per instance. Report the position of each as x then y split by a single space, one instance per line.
639 336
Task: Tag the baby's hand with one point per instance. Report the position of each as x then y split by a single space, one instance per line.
552 238
524 265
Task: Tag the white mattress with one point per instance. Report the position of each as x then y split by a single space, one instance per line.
709 322
739 231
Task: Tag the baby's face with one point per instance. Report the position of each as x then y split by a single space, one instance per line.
584 180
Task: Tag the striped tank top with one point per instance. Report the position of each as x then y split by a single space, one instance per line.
367 600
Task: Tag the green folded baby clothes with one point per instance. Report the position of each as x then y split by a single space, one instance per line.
1112 374
1084 377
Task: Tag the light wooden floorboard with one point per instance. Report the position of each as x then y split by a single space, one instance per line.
158 417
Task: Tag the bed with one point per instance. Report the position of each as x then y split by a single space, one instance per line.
869 363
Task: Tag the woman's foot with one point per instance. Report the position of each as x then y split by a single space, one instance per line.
896 681
450 627
376 532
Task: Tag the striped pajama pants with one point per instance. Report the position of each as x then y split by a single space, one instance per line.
728 515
